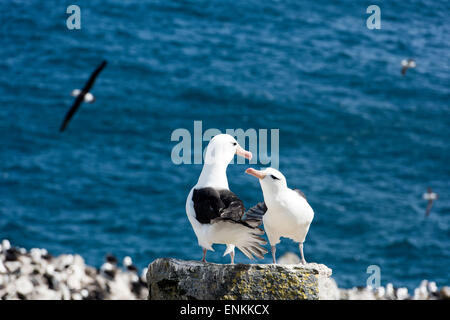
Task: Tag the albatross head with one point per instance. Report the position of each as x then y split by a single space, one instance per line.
271 180
219 153
222 148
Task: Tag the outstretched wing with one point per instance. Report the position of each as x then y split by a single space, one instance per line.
429 206
80 97
255 214
404 69
93 76
71 112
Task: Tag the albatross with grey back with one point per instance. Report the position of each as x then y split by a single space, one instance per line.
407 64
215 213
285 212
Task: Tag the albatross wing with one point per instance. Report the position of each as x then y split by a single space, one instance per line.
80 95
255 214
224 210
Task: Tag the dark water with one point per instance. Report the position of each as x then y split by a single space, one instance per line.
359 139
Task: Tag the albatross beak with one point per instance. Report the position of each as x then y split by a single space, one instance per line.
243 153
255 173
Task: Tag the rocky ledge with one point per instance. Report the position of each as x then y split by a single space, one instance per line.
36 274
177 279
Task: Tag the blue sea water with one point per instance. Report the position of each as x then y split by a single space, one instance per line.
359 139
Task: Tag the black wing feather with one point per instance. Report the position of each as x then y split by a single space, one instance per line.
72 111
256 212
211 205
93 76
207 204
234 207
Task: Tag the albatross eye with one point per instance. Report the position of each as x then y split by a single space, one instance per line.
234 143
274 178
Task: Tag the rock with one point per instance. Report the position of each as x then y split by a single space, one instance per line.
177 279
36 274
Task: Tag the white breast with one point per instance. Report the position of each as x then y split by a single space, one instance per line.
289 215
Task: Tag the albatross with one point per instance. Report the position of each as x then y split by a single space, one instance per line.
406 64
431 197
285 212
82 95
215 213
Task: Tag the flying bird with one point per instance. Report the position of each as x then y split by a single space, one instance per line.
215 213
285 212
431 197
407 64
82 95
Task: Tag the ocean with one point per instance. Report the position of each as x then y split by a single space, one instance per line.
359 139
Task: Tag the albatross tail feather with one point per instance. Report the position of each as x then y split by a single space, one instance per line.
251 243
243 235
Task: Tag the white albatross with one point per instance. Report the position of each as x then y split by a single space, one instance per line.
407 64
286 213
215 213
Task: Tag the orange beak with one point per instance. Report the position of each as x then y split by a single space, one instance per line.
243 153
255 173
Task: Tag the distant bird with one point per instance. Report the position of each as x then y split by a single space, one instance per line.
216 213
128 264
431 197
286 213
82 96
111 259
407 64
108 270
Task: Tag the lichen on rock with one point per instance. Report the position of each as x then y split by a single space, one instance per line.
177 279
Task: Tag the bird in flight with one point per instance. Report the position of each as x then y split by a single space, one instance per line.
431 197
82 95
406 64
